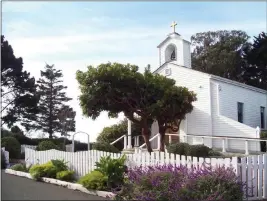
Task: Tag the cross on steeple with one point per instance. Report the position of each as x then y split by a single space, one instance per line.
173 26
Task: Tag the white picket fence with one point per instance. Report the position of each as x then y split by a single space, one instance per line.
23 146
252 170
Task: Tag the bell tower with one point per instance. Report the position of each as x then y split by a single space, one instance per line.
174 49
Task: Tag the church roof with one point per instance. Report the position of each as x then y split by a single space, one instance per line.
218 78
171 35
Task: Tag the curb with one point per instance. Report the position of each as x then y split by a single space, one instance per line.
69 185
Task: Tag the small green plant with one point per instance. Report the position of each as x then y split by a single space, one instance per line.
37 172
49 169
20 167
113 169
11 145
60 165
66 175
94 180
104 146
46 145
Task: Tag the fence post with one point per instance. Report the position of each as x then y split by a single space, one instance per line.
170 139
158 141
203 140
125 142
246 145
185 138
223 145
137 143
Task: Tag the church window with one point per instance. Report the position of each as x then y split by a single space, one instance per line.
262 117
240 108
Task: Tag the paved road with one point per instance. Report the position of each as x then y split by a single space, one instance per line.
20 188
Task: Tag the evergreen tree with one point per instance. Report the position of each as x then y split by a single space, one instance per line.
219 52
18 89
255 62
51 105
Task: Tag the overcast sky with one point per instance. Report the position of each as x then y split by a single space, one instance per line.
73 35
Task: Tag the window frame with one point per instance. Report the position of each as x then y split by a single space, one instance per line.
262 117
242 112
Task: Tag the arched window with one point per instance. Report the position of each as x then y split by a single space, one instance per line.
170 53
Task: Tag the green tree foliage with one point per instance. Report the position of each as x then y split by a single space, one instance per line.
46 145
67 121
18 89
219 53
121 88
51 105
117 88
111 133
255 62
16 129
11 145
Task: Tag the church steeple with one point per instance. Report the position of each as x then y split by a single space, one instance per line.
175 50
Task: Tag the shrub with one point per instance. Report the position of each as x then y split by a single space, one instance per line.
169 182
60 165
197 151
214 153
11 145
178 148
94 180
46 145
3 160
20 167
37 172
113 169
66 175
49 169
104 146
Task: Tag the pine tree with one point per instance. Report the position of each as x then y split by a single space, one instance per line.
51 105
255 62
18 89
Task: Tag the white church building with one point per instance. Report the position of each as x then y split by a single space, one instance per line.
227 114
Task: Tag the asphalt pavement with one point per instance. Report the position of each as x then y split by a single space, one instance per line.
20 188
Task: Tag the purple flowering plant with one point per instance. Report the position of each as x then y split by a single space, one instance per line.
171 182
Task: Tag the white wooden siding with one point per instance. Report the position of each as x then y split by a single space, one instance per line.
199 120
230 95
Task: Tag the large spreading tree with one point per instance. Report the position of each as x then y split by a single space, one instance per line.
121 88
54 115
219 53
255 62
18 89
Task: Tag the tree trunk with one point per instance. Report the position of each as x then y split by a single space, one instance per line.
162 138
145 134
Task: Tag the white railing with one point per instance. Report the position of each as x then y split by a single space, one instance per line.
124 143
225 139
252 170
